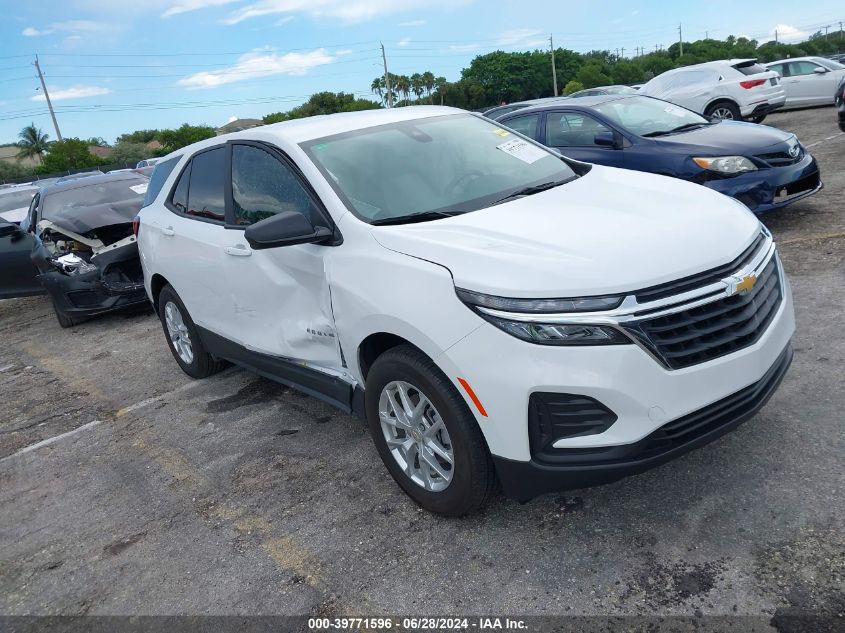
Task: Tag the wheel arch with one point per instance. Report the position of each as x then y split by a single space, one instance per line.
722 99
377 344
157 284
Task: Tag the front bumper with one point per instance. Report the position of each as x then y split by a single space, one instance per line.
85 296
773 187
525 480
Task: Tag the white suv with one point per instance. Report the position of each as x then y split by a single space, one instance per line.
730 89
494 311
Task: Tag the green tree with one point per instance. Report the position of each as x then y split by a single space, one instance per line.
590 75
184 135
13 171
128 153
66 155
97 141
572 86
429 83
139 136
33 142
323 103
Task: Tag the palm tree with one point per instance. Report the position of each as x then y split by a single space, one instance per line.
442 86
33 143
429 83
378 87
403 86
417 85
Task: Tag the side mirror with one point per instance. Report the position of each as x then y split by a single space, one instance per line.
819 70
284 229
7 229
605 139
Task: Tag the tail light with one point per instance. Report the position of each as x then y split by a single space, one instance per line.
136 225
752 83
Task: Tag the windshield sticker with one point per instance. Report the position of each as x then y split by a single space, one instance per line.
675 110
501 132
142 188
523 150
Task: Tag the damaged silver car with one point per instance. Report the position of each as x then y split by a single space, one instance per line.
77 243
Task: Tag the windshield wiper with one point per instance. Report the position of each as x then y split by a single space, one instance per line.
680 128
530 191
423 216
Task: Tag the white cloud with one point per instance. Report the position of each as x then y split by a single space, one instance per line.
347 10
184 6
522 37
283 20
31 32
343 52
74 92
405 41
786 33
259 64
414 23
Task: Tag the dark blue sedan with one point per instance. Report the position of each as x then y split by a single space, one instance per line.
762 167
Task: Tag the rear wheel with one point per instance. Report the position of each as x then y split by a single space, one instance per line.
723 110
757 119
183 337
425 434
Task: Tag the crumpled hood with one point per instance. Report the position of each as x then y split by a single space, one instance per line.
608 232
84 219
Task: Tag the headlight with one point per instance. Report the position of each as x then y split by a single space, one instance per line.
547 333
73 265
726 164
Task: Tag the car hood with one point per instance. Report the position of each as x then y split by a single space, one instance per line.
608 232
85 219
727 138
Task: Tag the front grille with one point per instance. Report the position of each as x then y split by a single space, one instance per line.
552 416
698 280
807 183
708 331
781 159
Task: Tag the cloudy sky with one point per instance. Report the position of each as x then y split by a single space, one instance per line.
114 66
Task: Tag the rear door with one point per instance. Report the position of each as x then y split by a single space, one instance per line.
573 133
17 272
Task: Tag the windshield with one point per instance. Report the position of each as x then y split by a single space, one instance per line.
829 63
444 164
92 206
16 199
644 115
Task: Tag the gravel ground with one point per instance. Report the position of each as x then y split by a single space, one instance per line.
235 495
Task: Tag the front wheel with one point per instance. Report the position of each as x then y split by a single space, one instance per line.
723 110
757 119
425 434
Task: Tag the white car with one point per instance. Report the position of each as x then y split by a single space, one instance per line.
808 80
491 309
14 202
730 89
147 162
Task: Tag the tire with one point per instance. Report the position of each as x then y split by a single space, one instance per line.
757 119
471 475
727 109
188 349
65 320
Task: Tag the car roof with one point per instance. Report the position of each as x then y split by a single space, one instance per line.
806 58
17 188
323 125
580 102
81 183
719 63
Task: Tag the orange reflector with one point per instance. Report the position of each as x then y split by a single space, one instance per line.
473 397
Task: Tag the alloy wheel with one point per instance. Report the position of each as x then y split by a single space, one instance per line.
722 113
180 338
416 436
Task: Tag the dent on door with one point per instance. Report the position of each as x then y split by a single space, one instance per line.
282 304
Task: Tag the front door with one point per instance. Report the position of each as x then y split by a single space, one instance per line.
573 133
280 299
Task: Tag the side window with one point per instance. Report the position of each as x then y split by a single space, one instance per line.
157 178
526 125
179 200
802 68
779 68
572 129
28 223
206 192
263 186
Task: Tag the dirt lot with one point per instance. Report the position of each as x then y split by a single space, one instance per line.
234 495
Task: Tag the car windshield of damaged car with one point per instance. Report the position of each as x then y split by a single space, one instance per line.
92 206
424 169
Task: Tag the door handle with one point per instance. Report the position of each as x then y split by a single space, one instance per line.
239 250
168 230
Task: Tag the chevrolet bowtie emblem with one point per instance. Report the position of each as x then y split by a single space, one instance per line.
741 285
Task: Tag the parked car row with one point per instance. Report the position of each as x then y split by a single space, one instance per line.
762 167
458 285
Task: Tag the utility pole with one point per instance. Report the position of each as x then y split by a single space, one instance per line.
776 36
623 52
554 72
825 31
681 39
386 78
47 97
